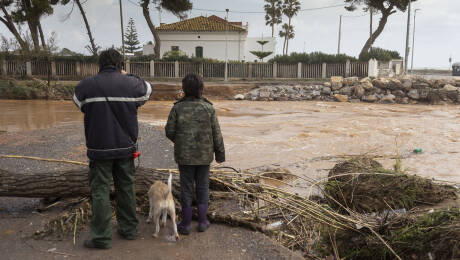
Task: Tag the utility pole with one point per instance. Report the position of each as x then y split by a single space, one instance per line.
226 46
406 56
371 10
413 42
340 34
122 32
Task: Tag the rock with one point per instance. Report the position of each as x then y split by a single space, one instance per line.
407 84
369 98
239 97
405 100
399 93
366 79
327 84
434 98
395 84
413 93
381 83
358 91
388 99
420 85
264 94
345 91
326 90
336 83
367 85
350 81
341 98
316 93
449 87
423 92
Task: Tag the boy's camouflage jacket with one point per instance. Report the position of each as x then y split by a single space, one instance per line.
194 129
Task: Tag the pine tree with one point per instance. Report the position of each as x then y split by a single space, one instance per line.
131 41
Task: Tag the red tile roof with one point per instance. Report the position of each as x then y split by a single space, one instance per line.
202 24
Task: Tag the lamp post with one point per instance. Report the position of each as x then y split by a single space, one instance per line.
226 46
122 32
413 42
340 34
406 56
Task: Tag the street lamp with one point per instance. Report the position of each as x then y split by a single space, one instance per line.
413 42
226 46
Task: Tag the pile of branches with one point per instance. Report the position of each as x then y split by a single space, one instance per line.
260 201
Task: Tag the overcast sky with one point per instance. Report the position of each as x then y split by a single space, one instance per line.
437 26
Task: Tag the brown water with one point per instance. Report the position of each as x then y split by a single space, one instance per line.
305 137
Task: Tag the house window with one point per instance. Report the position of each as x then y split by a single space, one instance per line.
174 48
199 52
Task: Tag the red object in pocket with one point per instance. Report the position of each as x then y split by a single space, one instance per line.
136 154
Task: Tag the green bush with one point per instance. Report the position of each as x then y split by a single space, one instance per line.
380 55
312 58
10 90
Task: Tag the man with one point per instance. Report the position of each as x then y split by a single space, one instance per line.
110 101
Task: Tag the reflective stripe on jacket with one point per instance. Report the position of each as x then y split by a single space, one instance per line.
110 101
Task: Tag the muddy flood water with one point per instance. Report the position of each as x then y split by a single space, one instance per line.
307 138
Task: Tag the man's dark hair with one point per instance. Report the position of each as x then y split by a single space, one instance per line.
192 85
110 57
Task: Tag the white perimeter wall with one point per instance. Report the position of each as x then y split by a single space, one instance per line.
252 45
213 44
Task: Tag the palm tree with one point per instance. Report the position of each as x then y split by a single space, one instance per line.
287 32
290 8
273 16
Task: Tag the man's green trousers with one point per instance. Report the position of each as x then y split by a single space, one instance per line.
100 176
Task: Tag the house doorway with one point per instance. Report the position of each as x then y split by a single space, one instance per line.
199 52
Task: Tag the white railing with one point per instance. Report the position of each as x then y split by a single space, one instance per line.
155 69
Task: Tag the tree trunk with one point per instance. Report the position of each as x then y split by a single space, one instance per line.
42 36
288 35
8 21
156 37
88 30
70 183
273 30
383 21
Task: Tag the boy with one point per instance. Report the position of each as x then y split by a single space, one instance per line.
193 128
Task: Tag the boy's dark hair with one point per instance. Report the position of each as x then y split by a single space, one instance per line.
110 57
192 85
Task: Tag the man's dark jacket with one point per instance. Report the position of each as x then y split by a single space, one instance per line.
109 101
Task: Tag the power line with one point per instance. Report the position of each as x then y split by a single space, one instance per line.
263 12
255 12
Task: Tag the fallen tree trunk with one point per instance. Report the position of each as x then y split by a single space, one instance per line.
70 183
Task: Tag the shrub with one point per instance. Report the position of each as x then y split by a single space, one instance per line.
312 58
380 55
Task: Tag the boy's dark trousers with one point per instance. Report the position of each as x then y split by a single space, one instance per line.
100 176
194 174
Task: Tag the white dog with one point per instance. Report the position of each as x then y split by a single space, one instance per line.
162 204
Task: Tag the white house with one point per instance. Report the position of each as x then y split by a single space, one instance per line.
209 37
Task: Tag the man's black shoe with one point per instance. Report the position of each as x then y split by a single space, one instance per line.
90 244
127 237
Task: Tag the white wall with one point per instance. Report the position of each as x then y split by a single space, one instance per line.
213 44
252 45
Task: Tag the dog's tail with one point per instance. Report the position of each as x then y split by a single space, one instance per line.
169 185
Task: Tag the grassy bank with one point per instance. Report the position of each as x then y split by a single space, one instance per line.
36 89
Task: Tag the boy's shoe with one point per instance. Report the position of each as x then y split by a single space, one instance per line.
90 244
184 226
202 218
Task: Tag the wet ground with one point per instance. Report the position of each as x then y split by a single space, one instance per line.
19 218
